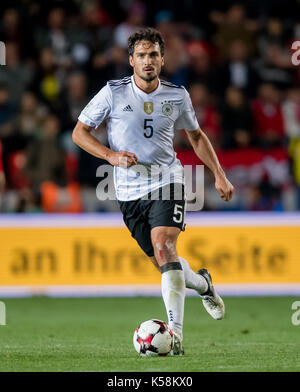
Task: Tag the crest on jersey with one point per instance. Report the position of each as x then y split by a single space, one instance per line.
148 107
167 109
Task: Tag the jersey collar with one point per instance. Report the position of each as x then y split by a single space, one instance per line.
143 93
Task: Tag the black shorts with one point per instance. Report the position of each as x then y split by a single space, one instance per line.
141 215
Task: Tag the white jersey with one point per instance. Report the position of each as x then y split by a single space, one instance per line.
143 124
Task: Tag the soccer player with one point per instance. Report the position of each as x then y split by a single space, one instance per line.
142 113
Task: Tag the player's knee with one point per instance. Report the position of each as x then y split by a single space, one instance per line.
165 249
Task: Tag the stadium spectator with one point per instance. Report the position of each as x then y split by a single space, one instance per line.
175 69
74 99
7 113
8 134
164 23
267 112
11 30
55 36
237 120
27 201
232 26
273 33
135 20
112 64
30 115
206 113
201 68
238 71
15 28
264 197
45 159
97 25
16 75
274 66
48 81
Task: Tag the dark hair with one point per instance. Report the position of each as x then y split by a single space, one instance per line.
147 34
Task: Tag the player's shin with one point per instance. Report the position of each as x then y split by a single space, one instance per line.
173 292
193 280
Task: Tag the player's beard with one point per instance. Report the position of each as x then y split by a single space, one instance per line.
148 78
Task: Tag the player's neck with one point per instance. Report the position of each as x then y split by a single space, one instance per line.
147 87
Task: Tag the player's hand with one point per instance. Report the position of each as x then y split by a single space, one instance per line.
224 187
122 159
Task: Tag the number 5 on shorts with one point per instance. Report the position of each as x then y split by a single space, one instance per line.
178 213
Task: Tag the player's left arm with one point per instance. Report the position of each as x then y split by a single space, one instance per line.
205 151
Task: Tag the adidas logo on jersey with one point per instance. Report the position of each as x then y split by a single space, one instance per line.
127 109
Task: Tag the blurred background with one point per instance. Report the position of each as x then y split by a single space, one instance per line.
58 240
233 57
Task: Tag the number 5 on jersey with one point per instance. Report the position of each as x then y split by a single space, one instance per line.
149 128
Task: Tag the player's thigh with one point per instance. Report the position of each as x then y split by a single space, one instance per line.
169 212
139 227
166 218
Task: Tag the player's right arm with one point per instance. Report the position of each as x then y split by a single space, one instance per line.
83 138
95 112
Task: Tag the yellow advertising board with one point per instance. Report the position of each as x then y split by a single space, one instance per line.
109 256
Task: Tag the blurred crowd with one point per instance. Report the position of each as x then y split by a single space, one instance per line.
233 57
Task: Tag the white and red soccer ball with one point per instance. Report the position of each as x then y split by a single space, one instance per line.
153 338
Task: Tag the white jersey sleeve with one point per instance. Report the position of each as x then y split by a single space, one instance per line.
98 109
187 119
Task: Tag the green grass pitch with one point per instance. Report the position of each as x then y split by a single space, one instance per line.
95 334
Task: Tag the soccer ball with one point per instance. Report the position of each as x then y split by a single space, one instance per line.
153 338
